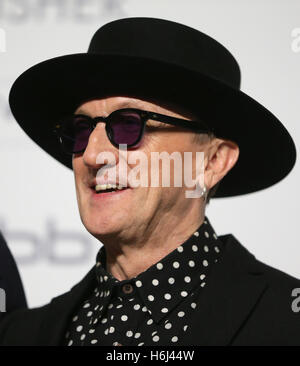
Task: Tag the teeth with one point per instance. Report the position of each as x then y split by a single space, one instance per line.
103 187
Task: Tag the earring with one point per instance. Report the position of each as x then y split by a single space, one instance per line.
198 192
204 192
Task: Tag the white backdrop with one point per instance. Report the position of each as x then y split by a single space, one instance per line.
38 210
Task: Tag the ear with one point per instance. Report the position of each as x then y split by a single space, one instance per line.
221 157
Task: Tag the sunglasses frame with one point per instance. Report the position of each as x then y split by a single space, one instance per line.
197 126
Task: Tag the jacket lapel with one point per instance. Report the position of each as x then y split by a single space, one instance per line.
234 288
61 309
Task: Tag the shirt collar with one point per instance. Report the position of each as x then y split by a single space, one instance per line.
173 278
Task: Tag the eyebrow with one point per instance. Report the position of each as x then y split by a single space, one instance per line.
124 104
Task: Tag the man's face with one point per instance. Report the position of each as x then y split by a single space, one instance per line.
132 211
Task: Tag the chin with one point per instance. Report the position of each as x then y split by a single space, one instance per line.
98 224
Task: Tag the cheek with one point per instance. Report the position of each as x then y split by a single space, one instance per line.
78 174
75 165
76 181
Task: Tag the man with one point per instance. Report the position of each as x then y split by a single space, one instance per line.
163 276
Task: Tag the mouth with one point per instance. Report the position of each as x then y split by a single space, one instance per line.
109 188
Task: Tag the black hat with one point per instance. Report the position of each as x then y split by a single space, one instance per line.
146 57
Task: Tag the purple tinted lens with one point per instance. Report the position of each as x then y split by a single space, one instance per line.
126 127
76 134
82 138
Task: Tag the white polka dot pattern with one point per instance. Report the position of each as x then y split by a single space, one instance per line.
159 306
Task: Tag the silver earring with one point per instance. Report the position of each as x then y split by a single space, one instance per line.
204 192
198 192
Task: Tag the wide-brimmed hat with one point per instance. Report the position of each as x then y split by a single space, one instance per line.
148 57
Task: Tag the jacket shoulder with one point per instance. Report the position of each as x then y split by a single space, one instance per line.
275 320
246 261
276 277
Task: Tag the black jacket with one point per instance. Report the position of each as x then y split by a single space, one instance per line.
10 281
245 303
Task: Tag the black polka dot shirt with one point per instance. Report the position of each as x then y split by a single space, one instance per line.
153 308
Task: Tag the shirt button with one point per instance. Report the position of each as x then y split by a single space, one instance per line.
127 288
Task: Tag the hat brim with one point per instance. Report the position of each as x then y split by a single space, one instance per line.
54 88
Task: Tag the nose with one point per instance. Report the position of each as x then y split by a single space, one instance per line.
99 150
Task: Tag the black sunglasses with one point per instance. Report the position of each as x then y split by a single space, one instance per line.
123 126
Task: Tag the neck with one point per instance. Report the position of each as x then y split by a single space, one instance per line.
135 254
